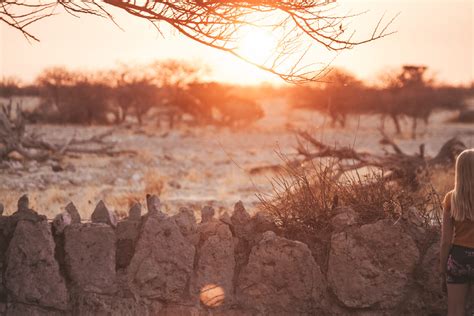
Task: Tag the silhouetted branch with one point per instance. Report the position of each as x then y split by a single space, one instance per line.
296 25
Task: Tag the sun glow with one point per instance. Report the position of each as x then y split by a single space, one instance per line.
257 45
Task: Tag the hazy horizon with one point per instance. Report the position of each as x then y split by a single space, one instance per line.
90 43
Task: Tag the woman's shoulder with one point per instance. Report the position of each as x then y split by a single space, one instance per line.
447 200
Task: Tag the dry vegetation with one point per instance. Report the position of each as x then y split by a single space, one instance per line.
306 198
309 192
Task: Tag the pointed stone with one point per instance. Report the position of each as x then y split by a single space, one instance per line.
32 275
207 214
262 222
240 221
225 218
153 204
240 215
23 203
135 212
75 216
186 221
163 261
25 213
61 221
102 215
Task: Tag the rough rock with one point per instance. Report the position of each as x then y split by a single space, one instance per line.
207 214
7 227
102 215
127 233
23 203
163 261
32 275
72 210
429 272
186 222
180 310
281 277
99 304
60 222
215 264
430 280
135 212
18 309
225 218
27 215
371 265
6 232
90 257
153 205
1 209
240 218
262 222
3 290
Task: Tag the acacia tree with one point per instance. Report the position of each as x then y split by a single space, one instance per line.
296 25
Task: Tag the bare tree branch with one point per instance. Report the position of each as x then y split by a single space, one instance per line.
218 24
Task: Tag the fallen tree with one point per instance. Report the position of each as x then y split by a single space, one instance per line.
398 165
14 139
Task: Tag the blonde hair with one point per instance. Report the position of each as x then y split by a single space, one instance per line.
462 199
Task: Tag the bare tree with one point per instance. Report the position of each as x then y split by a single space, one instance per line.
296 25
338 94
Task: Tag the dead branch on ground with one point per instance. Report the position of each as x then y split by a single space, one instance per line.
398 165
30 146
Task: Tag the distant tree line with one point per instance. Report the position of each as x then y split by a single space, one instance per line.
406 92
166 91
174 92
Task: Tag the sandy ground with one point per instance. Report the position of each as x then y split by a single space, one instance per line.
194 166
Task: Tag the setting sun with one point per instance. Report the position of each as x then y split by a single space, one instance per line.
257 45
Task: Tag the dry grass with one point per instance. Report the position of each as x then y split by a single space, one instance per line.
122 202
154 183
442 180
305 198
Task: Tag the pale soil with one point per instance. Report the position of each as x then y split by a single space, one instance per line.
194 166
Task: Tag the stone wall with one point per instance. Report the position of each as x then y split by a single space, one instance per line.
155 264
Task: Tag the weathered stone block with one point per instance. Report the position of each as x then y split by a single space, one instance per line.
214 270
280 277
90 257
163 261
127 234
371 265
32 275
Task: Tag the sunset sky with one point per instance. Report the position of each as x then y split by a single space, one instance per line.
436 33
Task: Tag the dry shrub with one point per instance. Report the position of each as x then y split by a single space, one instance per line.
305 198
442 180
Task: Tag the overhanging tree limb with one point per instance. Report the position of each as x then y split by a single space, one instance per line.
297 25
